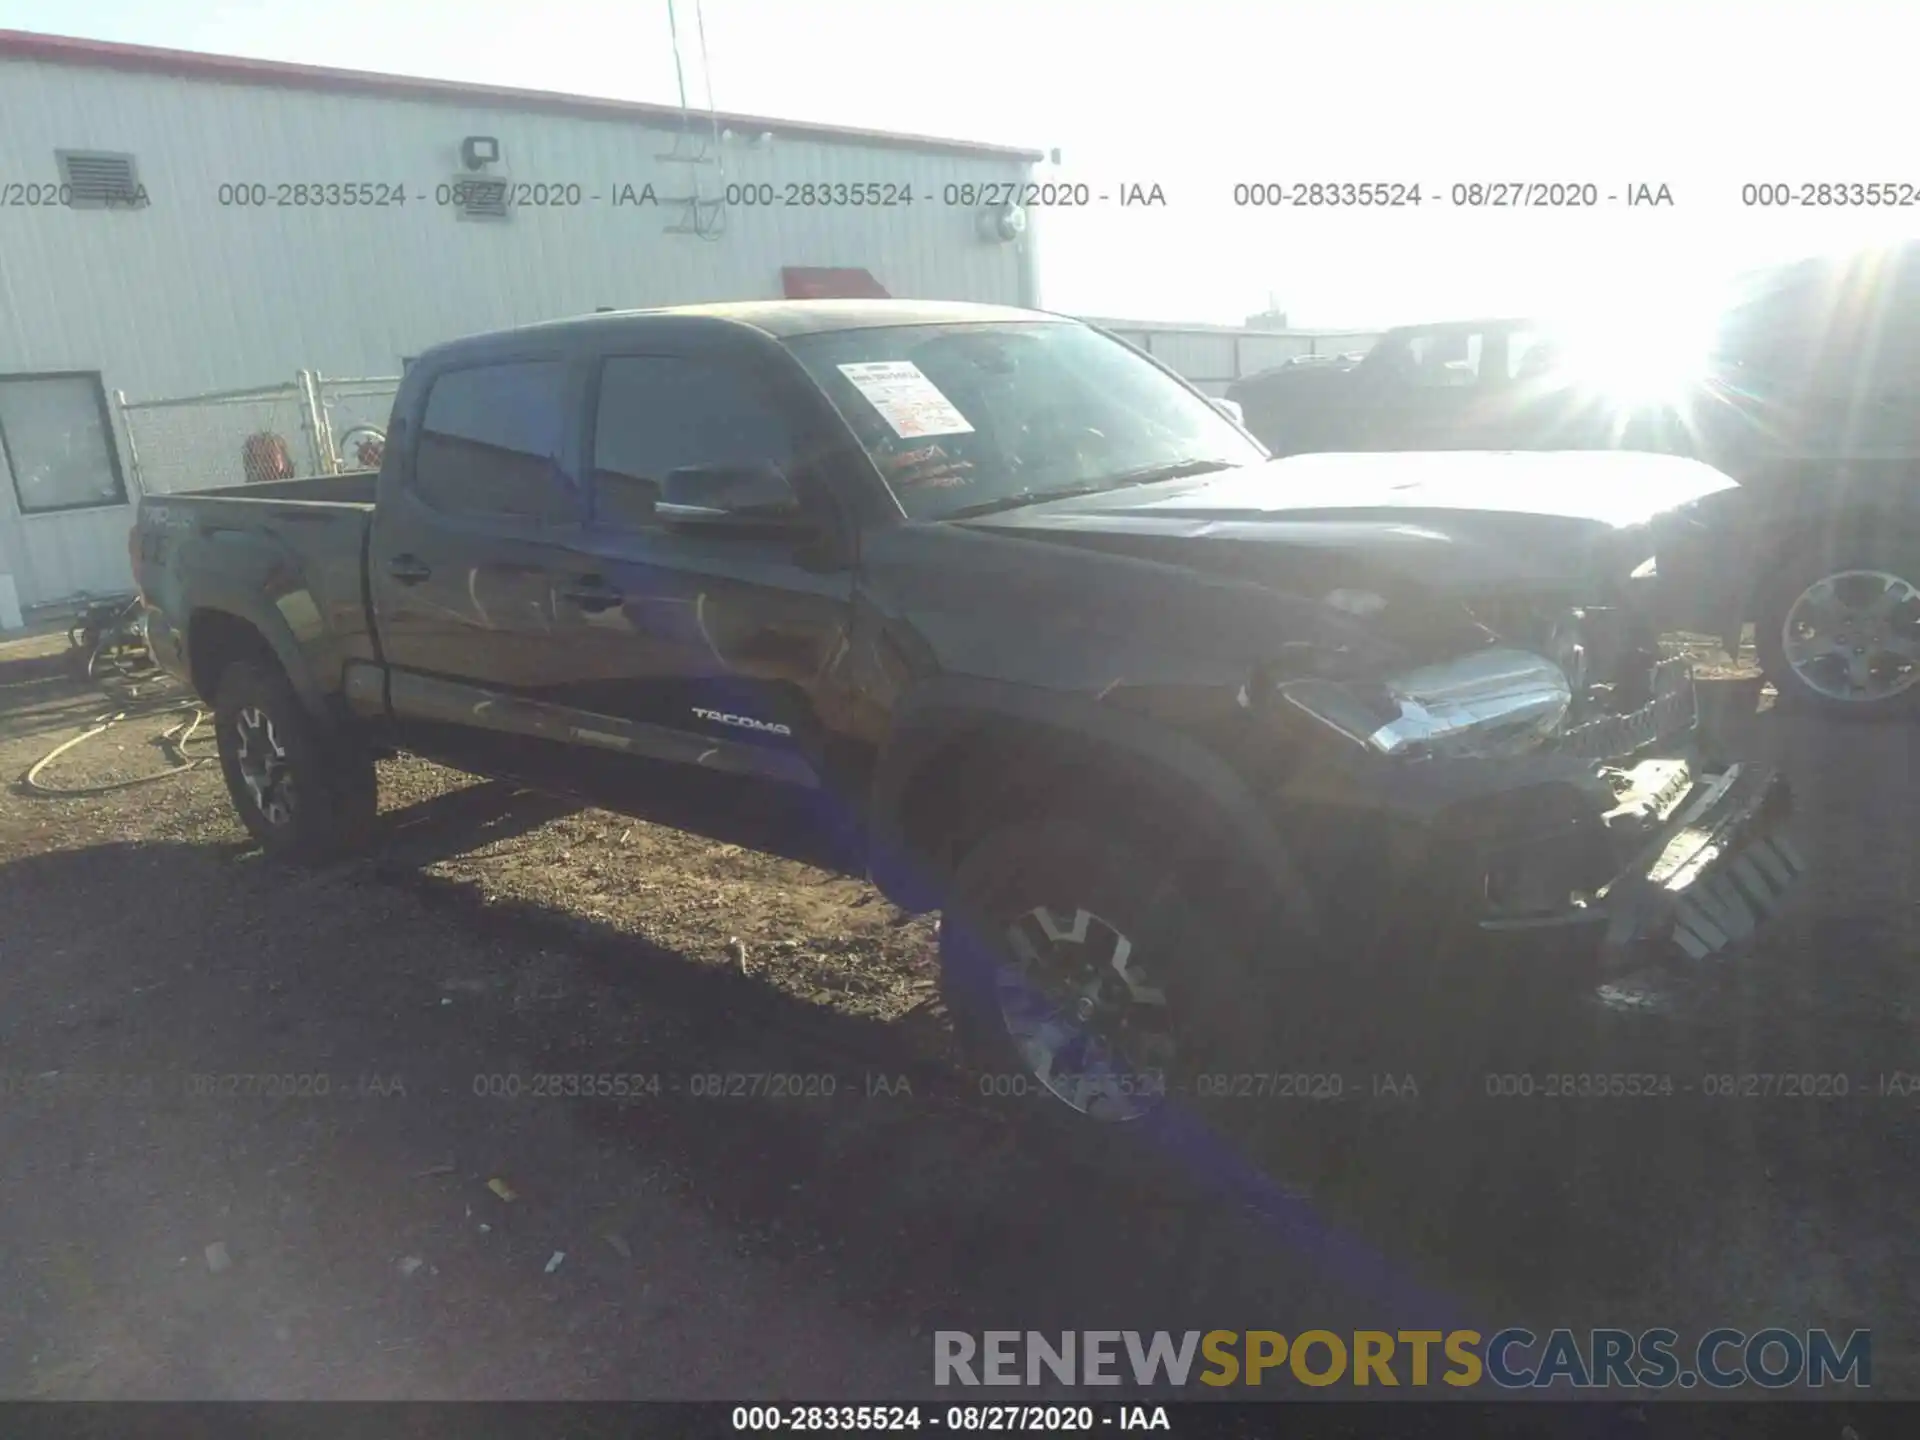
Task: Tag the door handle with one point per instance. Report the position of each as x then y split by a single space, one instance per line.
408 569
592 594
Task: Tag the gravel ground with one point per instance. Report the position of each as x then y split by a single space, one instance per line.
166 1244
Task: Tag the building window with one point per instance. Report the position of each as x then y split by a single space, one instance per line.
58 442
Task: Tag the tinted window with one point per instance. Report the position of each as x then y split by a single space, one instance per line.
657 415
488 443
1446 359
1426 359
1530 355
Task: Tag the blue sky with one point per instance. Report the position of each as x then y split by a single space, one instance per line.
1196 95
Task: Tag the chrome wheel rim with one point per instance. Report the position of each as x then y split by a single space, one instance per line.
1854 636
1087 1018
262 762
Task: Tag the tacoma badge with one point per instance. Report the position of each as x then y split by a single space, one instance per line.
743 722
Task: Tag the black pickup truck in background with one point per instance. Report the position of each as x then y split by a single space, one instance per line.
1808 394
986 606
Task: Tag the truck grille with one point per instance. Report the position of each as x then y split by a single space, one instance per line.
1673 711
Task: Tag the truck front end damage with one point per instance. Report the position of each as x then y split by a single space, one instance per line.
1507 793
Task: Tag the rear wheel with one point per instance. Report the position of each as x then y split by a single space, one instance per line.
1839 630
306 797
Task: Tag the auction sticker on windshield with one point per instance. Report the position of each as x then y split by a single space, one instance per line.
906 399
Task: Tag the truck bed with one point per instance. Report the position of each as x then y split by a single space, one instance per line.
287 556
354 487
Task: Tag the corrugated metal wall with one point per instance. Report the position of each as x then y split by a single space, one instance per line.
1212 357
187 295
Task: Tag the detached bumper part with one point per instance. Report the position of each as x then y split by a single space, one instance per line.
1717 870
1698 863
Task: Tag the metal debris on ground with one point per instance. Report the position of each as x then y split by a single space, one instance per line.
503 1190
737 949
554 1263
217 1257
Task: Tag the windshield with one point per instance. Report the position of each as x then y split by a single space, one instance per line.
964 417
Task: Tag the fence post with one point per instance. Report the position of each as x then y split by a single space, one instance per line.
133 450
313 418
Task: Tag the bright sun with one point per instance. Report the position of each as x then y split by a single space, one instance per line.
1642 350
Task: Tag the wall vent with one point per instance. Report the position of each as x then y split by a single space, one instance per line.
479 197
99 179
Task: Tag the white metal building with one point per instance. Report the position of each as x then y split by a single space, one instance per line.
174 224
1212 357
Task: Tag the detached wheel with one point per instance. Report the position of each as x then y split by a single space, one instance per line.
1087 983
1839 631
304 798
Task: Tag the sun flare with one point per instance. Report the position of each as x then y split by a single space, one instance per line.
1641 351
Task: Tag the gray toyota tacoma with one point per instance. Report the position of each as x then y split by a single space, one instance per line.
987 606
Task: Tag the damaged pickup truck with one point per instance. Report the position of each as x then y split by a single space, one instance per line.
986 606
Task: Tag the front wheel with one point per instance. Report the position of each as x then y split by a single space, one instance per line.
1839 626
1091 983
306 797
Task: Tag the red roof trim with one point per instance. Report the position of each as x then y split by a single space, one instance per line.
110 55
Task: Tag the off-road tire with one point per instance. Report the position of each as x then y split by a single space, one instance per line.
1195 940
334 795
1892 550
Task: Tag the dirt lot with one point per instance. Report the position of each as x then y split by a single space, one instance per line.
162 1242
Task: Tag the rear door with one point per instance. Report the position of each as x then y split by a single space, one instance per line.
471 544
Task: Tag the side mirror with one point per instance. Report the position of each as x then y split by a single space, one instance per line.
758 494
1231 409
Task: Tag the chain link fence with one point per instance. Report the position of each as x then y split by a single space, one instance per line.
355 413
276 432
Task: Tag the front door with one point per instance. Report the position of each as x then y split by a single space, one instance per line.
721 637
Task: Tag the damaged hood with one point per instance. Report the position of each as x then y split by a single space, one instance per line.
1457 519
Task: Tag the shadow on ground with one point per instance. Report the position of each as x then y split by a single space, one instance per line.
851 1160
132 969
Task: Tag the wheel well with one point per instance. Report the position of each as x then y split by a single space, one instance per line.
217 638
1777 545
964 787
987 777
